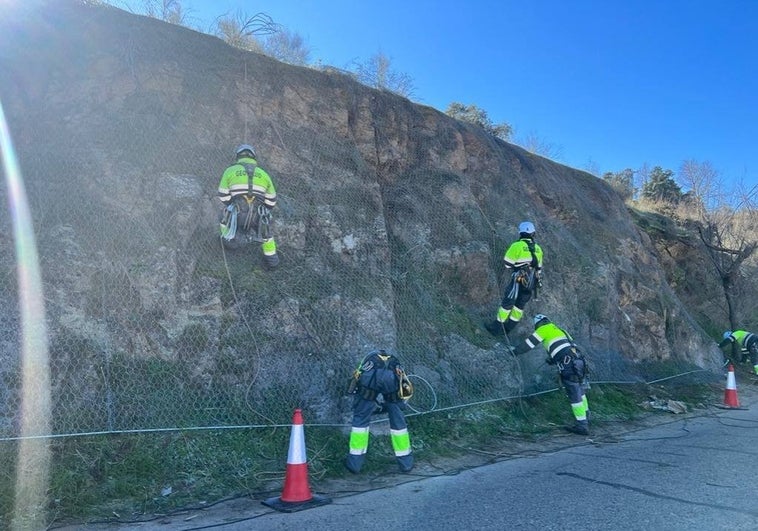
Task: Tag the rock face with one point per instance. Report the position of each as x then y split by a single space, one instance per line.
391 222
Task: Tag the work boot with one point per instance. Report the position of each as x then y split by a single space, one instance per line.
405 463
271 262
495 328
581 427
351 466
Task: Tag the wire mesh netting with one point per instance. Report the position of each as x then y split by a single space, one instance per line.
155 327
389 225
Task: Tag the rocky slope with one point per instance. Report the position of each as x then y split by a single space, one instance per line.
392 220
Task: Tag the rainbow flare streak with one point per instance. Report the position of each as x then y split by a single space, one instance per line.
32 470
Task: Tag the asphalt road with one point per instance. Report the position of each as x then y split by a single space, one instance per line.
693 473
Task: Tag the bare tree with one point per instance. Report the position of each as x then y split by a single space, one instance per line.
170 11
167 10
241 31
288 47
377 72
728 231
641 176
591 166
539 146
702 181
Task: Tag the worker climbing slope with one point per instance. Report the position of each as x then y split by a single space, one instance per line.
248 195
523 265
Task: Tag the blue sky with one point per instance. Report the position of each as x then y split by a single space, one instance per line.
609 84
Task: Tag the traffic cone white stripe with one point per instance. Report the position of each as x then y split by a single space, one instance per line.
730 394
296 453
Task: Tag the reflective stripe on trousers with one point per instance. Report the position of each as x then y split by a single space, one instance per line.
401 442
580 409
359 440
269 247
514 314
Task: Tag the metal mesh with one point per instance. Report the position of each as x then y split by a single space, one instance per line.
155 325
390 226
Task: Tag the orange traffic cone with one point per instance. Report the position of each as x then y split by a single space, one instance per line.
730 394
296 495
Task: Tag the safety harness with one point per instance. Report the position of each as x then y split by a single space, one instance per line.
526 273
250 171
257 216
371 378
578 374
249 196
528 278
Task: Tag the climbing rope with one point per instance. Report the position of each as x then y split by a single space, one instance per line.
256 347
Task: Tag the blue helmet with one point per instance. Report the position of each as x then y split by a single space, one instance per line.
539 318
242 148
727 334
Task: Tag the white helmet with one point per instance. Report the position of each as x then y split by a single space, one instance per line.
539 318
245 147
727 334
526 227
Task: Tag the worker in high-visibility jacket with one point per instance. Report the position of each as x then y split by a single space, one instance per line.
379 385
248 195
572 367
523 265
744 345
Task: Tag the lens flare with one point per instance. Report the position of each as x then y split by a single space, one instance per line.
32 469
